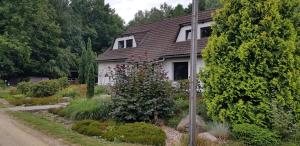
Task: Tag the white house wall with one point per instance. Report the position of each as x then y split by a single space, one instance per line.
104 69
104 72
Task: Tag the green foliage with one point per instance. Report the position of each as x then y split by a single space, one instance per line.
97 21
90 127
93 109
2 84
251 59
42 88
14 55
100 90
167 11
42 37
283 122
146 95
71 91
82 66
33 101
24 87
57 111
202 109
254 135
141 133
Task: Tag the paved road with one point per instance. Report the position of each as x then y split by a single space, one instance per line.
13 133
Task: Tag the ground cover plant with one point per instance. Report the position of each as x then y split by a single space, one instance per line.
141 133
34 101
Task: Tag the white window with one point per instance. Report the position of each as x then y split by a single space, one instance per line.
124 42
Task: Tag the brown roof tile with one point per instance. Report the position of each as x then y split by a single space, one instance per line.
157 40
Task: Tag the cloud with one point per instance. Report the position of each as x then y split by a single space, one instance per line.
127 8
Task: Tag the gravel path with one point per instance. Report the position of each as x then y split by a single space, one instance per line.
36 108
13 133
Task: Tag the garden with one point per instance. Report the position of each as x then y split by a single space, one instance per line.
249 93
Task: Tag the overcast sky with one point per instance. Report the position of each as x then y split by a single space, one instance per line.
127 8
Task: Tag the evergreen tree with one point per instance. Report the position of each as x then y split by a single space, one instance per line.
252 60
90 81
90 70
82 65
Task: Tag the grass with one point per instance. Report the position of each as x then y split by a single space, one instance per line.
2 106
5 94
58 130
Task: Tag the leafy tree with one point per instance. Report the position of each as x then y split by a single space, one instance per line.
33 24
98 22
167 11
14 57
252 59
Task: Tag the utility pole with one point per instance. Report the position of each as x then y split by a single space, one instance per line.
193 76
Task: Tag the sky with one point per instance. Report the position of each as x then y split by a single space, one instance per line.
127 8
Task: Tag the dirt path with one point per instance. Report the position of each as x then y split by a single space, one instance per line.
13 133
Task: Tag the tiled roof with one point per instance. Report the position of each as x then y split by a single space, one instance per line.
157 40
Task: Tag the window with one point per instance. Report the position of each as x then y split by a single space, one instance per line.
129 43
181 70
205 31
188 34
121 44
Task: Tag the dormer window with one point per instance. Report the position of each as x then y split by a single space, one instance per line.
188 34
129 43
124 42
121 44
205 32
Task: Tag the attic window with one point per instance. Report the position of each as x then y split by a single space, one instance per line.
188 34
121 44
205 32
129 43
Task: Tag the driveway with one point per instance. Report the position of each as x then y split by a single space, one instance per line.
13 133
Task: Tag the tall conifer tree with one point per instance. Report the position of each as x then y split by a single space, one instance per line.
252 61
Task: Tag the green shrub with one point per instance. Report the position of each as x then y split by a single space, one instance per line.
181 104
43 88
243 71
202 109
175 120
141 133
100 90
2 84
141 92
33 101
254 135
24 87
93 128
63 82
93 109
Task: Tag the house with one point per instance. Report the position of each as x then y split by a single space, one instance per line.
167 41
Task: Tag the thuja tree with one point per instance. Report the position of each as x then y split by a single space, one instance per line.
90 69
141 92
252 59
87 68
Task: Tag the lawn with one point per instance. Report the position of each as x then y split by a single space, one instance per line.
58 130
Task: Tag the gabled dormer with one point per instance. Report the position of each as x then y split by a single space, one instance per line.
124 42
203 31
